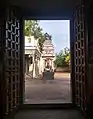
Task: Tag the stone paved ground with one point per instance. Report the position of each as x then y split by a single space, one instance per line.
49 91
49 114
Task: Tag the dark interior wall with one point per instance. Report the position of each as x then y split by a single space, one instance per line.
90 59
2 85
47 9
47 14
46 4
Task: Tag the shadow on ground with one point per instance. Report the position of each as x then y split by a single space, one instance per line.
49 114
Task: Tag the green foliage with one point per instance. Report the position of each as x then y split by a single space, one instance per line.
63 58
41 41
67 59
28 26
32 28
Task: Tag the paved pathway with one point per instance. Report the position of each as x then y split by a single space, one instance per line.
49 114
49 91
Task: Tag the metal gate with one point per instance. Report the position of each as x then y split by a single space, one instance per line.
80 58
12 57
10 48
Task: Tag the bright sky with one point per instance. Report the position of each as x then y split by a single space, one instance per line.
60 31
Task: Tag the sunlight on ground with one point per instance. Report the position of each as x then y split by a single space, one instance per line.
50 91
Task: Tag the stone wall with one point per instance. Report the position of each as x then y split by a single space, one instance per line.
63 69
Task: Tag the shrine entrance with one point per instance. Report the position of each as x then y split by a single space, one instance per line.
48 63
12 57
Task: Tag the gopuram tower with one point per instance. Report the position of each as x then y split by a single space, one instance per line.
48 54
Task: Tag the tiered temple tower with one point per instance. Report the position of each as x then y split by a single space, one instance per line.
48 54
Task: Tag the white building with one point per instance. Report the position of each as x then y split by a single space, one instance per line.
32 57
35 61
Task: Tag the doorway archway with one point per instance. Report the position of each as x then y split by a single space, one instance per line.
12 61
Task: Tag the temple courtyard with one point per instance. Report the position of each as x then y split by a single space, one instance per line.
39 91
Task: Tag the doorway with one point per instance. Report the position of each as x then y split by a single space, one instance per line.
44 55
14 63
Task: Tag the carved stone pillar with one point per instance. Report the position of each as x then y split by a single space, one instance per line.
33 67
39 66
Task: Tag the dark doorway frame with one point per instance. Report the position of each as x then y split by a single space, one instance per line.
70 18
72 68
45 15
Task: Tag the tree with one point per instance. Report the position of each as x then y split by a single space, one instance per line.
68 59
28 26
32 28
41 41
66 51
67 55
60 61
62 58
